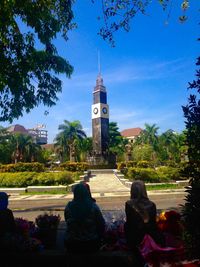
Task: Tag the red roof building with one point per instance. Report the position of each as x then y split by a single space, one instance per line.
131 133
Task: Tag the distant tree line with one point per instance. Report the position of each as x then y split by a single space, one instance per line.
72 144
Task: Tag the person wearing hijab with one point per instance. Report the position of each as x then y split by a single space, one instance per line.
85 224
7 222
88 188
141 216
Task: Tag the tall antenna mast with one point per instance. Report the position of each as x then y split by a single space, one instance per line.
99 63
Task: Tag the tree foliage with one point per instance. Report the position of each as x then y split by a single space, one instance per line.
192 206
149 135
172 146
29 59
117 14
116 141
166 148
68 138
18 147
84 147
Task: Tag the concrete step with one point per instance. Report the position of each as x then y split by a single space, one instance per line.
101 171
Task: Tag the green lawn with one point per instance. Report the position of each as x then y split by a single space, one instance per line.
164 186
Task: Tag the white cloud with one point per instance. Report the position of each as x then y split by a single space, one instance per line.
163 119
128 72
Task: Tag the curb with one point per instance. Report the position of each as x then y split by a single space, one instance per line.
128 184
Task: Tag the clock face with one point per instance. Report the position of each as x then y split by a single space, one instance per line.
104 110
95 110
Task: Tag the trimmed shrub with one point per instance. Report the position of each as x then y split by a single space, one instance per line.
166 172
19 179
131 163
126 164
23 179
171 163
143 164
121 165
22 167
74 166
53 178
103 166
145 174
160 174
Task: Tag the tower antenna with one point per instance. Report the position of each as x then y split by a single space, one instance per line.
99 63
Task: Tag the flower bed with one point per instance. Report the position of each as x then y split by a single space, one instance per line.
47 229
169 223
25 238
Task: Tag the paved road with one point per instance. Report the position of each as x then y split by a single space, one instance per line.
31 208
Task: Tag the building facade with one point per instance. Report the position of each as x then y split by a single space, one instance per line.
131 133
39 135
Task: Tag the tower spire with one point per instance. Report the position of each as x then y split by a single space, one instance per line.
99 63
99 80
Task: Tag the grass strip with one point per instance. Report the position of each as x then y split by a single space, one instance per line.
164 186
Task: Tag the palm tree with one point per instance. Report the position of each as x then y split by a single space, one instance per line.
24 148
174 145
167 141
85 148
117 144
149 136
70 132
5 146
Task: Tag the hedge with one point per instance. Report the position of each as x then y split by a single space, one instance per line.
126 164
23 179
144 174
83 166
160 174
170 172
22 167
103 166
74 166
144 164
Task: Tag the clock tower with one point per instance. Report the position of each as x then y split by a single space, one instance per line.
100 121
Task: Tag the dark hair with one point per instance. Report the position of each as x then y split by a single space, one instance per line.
138 190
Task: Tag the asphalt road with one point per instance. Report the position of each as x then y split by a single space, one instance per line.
29 209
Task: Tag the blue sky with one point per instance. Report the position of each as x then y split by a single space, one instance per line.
146 74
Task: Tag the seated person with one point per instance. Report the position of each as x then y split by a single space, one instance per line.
85 224
141 217
88 188
7 223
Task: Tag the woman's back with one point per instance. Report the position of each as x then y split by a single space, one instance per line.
88 228
84 221
141 216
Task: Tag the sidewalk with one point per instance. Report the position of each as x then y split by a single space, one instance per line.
16 197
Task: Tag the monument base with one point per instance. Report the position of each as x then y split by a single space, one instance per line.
97 160
102 160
